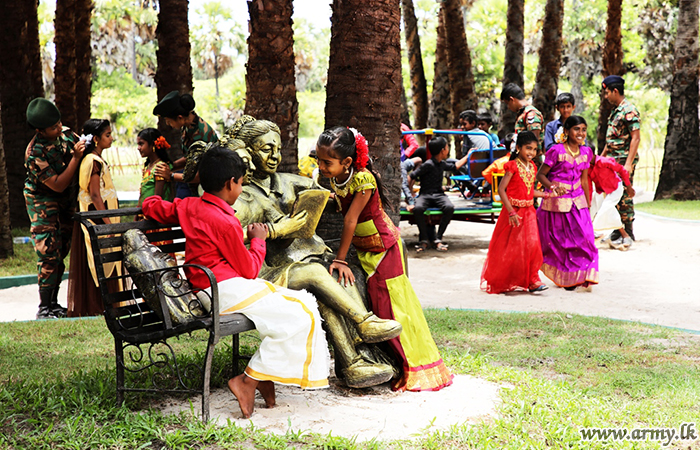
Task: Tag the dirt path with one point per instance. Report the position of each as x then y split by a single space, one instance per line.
651 283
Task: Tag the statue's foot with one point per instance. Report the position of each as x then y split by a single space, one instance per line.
267 390
362 374
243 388
373 329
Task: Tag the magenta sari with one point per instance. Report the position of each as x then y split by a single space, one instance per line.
570 256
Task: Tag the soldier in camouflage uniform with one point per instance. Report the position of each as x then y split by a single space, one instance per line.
529 117
52 159
622 143
178 112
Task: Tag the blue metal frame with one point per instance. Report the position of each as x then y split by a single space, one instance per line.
458 178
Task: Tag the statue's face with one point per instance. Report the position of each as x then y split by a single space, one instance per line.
265 151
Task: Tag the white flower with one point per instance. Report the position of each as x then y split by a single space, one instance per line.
86 138
559 136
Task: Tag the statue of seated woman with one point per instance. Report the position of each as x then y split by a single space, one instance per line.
302 263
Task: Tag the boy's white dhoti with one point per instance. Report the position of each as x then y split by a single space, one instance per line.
293 349
604 212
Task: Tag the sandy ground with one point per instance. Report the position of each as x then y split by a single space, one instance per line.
650 283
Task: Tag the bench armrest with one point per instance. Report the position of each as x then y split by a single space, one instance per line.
213 294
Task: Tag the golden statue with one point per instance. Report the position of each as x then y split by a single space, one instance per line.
297 258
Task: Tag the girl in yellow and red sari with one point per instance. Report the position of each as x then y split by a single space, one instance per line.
343 157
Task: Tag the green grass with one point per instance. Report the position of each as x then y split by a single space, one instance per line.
24 260
562 373
689 210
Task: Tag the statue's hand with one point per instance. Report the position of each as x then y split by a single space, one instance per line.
289 225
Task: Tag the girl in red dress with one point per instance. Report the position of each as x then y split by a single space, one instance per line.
515 255
342 157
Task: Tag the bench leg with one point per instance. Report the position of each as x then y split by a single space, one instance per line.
119 357
206 379
235 353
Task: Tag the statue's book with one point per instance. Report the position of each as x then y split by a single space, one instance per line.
314 202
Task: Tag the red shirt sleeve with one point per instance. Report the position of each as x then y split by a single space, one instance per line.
412 145
244 261
620 169
160 210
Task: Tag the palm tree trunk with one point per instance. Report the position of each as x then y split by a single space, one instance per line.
612 63
419 90
83 52
174 72
20 82
680 171
547 79
514 62
405 116
440 113
6 249
364 82
65 70
459 61
271 92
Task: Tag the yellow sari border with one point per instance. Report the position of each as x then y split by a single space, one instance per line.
568 279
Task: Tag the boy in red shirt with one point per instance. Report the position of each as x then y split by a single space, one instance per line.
609 177
293 347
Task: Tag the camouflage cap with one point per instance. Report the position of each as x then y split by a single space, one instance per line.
42 114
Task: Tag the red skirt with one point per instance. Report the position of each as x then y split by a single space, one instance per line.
515 256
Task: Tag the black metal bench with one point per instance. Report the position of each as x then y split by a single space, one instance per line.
134 324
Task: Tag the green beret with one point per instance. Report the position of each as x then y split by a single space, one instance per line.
42 114
168 106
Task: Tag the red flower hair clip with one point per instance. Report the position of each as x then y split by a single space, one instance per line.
161 143
361 149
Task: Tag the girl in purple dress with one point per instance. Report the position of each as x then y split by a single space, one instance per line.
566 233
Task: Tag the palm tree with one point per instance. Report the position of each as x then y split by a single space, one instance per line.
20 82
6 249
680 171
459 61
174 71
439 116
270 83
364 81
612 63
210 37
419 90
547 79
65 69
513 68
83 68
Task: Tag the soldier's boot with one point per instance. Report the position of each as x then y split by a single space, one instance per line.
630 230
57 310
45 298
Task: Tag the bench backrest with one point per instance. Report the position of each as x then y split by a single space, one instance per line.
125 310
481 159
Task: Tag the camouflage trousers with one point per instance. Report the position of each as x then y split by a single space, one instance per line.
626 205
51 228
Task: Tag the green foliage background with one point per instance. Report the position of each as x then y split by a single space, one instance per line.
648 32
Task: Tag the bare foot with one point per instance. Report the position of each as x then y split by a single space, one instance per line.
243 388
267 390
